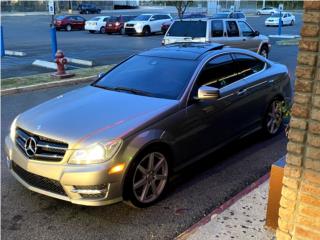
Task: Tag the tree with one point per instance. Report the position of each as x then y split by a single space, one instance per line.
181 7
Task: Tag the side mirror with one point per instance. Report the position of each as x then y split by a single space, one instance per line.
255 33
208 93
152 19
101 74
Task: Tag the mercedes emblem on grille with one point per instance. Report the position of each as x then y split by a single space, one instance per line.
30 147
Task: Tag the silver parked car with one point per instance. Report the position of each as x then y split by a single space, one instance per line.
123 136
230 32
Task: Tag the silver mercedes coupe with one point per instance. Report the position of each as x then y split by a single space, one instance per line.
122 137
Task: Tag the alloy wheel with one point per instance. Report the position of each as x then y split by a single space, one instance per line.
68 28
274 117
150 177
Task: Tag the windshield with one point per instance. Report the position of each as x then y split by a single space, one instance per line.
60 17
193 29
151 76
142 18
114 19
276 15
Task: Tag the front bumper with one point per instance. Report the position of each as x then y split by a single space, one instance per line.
133 30
64 181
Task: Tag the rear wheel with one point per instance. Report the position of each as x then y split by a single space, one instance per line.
68 28
102 30
273 118
147 178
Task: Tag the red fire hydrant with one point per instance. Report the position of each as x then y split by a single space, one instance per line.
61 61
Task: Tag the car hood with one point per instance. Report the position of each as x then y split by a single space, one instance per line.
91 114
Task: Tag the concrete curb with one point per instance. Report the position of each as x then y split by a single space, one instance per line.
14 53
191 230
80 61
45 64
47 85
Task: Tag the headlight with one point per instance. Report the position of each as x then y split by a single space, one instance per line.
13 128
96 153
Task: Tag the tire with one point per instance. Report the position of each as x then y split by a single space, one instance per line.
144 184
91 31
292 23
68 28
103 30
258 13
273 118
264 51
146 31
122 31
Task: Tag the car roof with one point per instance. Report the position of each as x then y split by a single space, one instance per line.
185 51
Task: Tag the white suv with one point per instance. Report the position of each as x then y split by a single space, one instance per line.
146 24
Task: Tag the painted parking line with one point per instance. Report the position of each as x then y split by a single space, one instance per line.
14 53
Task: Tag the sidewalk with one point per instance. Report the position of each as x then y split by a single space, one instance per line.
244 219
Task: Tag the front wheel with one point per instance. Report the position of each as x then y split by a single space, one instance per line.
146 31
102 30
292 23
264 51
147 178
91 31
273 118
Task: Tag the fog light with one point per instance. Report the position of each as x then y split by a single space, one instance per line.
116 169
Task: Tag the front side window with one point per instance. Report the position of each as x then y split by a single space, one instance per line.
216 28
192 29
151 76
232 29
248 65
219 72
245 29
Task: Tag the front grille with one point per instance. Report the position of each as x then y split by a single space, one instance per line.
37 181
129 25
46 149
130 30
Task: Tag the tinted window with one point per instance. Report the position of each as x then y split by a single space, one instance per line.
106 19
188 29
217 28
143 18
221 15
128 18
232 29
95 19
159 77
79 19
114 19
156 17
240 15
245 29
60 17
247 65
219 72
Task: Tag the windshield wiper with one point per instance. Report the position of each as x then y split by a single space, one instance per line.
131 90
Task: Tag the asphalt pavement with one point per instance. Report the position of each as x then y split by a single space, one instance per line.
194 192
30 34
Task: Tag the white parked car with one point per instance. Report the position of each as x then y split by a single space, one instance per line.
267 11
146 24
97 24
286 18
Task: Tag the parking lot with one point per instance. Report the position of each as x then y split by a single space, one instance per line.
194 191
33 37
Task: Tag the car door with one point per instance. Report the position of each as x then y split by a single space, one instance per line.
251 41
218 120
233 35
217 33
259 86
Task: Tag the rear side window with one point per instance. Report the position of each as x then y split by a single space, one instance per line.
219 72
188 29
232 29
216 28
248 65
